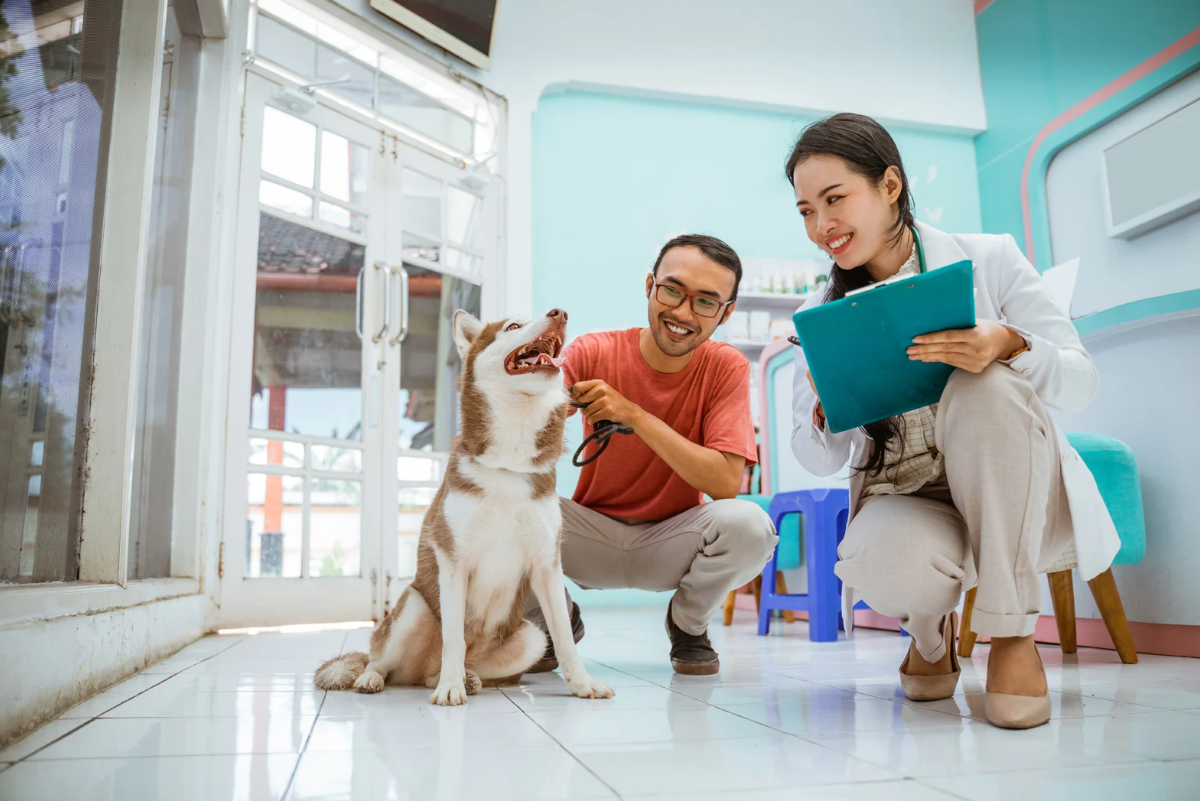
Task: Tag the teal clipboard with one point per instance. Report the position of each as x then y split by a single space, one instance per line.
857 347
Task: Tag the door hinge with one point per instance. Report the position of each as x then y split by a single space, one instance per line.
374 588
221 561
243 124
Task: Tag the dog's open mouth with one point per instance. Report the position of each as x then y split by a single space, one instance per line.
541 354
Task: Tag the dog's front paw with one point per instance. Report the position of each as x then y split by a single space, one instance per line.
473 683
588 687
449 695
371 681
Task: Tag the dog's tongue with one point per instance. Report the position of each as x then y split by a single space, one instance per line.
538 359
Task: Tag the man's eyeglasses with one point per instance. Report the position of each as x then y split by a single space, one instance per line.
672 296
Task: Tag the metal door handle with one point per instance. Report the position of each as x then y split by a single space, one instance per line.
387 305
358 300
403 333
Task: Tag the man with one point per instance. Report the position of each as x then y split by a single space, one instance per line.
637 518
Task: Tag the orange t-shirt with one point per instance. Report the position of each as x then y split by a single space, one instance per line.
708 402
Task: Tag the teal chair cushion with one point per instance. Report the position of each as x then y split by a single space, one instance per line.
1115 470
789 537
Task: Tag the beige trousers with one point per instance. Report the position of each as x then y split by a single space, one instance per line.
913 556
702 554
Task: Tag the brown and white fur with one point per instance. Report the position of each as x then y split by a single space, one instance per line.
490 536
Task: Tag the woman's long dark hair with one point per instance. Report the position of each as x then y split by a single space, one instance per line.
868 149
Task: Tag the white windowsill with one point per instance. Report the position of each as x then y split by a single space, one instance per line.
36 603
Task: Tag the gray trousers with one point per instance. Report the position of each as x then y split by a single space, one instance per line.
701 554
1004 518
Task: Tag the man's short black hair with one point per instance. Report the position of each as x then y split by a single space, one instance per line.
710 246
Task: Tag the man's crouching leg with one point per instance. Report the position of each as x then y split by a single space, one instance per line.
732 541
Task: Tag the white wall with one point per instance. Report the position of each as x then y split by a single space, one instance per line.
1149 399
1113 271
914 63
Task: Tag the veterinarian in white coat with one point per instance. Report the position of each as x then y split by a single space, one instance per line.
981 489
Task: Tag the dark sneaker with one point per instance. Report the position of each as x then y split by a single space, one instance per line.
549 661
691 654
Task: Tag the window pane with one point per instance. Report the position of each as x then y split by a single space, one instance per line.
414 246
343 460
343 218
336 530
315 61
464 217
274 526
51 124
277 452
430 368
344 168
307 376
284 199
289 147
425 116
422 208
409 468
456 259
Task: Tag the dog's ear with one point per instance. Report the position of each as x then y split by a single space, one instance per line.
466 328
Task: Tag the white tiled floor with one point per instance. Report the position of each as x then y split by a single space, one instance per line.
238 718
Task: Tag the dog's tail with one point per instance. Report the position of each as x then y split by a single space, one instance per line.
341 672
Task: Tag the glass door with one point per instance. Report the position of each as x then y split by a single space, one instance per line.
313 304
354 252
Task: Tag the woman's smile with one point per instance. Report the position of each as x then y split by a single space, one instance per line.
838 245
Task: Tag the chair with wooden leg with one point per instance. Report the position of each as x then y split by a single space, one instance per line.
1113 466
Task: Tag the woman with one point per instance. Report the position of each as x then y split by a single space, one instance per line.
980 489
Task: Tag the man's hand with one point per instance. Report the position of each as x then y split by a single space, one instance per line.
972 349
599 401
715 473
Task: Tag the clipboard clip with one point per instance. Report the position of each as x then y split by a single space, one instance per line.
795 341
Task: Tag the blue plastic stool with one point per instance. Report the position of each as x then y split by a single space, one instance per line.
825 513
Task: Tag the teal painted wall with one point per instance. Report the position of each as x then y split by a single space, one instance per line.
1037 59
615 177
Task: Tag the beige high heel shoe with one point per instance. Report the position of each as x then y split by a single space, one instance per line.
933 688
1017 711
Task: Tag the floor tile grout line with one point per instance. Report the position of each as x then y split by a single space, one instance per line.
94 718
303 748
921 783
772 728
563 746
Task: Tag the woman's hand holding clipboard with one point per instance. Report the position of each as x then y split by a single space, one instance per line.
857 347
970 349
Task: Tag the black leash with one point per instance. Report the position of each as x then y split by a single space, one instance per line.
602 431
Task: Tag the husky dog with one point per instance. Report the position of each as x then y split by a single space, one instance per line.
490 536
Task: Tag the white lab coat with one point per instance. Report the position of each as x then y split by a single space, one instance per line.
1008 290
